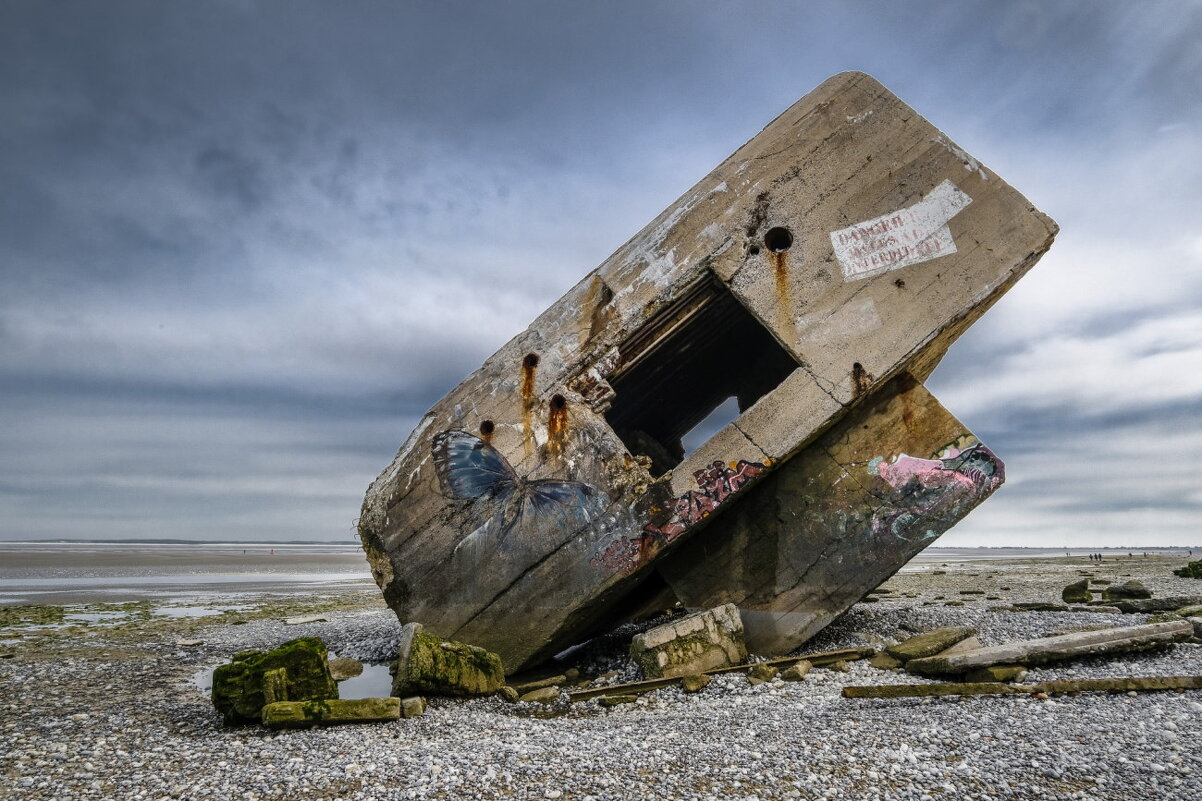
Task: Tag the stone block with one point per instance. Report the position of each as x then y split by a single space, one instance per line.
693 644
431 665
295 671
1077 593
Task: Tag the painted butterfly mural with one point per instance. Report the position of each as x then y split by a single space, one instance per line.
506 511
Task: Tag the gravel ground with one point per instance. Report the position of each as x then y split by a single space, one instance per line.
114 712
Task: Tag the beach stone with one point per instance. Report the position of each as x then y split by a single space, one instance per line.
551 681
997 673
543 695
1193 610
301 619
929 643
343 668
508 694
1077 593
883 661
296 671
1196 622
797 671
1037 606
761 673
1127 591
430 665
413 706
967 644
330 712
1192 570
692 644
694 683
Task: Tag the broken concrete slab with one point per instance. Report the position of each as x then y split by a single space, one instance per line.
1127 591
996 673
430 665
299 620
330 712
882 484
797 672
929 643
692 644
694 683
554 476
761 673
1053 649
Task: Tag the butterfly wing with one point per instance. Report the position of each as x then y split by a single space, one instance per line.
468 467
556 510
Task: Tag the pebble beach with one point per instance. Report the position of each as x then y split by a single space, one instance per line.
116 707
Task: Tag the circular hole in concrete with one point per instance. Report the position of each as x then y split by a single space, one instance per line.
778 239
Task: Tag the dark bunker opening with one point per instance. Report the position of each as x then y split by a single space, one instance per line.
693 355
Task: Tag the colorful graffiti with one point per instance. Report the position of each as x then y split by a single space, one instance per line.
716 483
927 492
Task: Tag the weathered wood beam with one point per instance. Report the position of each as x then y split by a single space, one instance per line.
1054 649
637 687
1132 684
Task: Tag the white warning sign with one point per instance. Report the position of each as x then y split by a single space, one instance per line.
908 236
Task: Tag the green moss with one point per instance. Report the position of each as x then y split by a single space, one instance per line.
1192 570
31 615
296 671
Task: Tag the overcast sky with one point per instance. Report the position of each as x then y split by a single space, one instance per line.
244 245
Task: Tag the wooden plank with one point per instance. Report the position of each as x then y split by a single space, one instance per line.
1133 684
1059 648
896 241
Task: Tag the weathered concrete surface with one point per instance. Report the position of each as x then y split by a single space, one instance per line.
1055 649
295 671
692 644
848 241
882 484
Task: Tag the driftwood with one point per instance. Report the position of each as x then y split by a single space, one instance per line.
637 687
998 688
1054 649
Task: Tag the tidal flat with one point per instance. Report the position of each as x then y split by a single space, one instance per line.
104 698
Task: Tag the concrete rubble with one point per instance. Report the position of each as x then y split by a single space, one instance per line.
692 644
812 281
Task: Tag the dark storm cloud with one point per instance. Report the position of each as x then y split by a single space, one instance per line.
247 244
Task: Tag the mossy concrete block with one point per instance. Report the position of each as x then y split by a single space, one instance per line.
692 644
1193 610
429 665
331 712
295 671
1127 591
1077 593
413 706
929 643
694 683
509 694
883 661
1192 570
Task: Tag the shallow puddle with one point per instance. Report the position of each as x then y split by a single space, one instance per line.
374 682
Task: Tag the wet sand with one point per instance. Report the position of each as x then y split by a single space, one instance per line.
73 573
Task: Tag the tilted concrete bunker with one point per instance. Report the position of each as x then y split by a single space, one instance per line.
816 276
